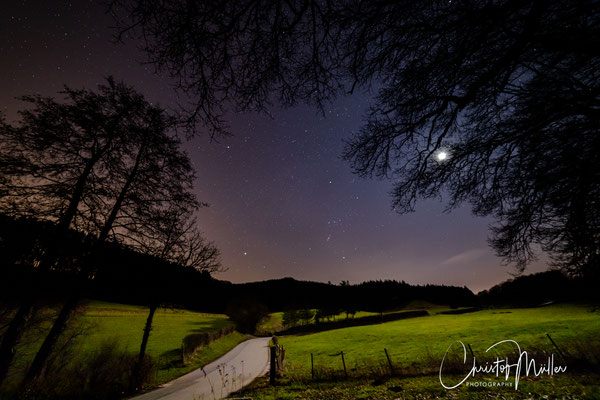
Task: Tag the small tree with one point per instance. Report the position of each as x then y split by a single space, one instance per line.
327 313
246 312
350 311
290 318
306 315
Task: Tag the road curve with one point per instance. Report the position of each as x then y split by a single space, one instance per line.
216 380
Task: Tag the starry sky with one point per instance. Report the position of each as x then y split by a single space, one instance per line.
282 201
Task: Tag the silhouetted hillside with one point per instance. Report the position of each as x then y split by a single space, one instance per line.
124 275
537 289
377 296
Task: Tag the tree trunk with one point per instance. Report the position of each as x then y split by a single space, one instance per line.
12 336
147 330
136 379
26 309
39 364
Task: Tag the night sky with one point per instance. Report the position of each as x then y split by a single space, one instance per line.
283 203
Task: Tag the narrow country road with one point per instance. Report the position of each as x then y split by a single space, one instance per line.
216 380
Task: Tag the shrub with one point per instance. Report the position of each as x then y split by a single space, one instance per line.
246 312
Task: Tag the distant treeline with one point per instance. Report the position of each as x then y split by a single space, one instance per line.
375 296
540 288
126 276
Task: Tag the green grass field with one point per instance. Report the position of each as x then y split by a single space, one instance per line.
126 322
412 343
102 322
273 323
417 345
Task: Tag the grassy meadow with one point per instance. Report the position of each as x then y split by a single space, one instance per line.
125 323
416 347
104 324
413 343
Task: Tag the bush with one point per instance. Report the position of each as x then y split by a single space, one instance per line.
290 318
246 313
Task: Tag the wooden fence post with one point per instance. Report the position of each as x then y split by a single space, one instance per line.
312 367
158 364
344 363
389 361
559 352
273 369
280 357
471 350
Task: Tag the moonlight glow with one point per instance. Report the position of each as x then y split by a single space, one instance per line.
442 155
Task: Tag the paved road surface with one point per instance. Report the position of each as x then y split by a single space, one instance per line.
215 381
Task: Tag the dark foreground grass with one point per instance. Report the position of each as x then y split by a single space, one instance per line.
566 386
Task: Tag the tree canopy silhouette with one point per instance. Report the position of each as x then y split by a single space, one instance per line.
491 103
54 166
106 163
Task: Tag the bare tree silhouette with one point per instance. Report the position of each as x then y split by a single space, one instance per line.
152 174
107 164
53 162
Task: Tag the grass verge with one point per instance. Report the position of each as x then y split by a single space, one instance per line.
166 372
424 387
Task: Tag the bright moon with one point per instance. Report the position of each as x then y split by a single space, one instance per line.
442 155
